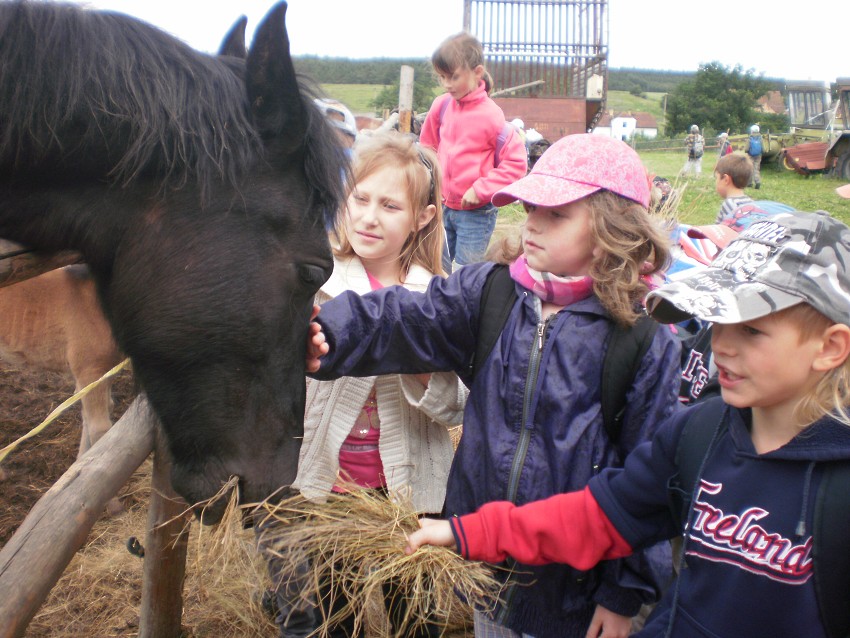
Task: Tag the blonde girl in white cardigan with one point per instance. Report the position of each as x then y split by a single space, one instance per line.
389 432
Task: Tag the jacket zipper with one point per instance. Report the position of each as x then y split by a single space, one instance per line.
522 445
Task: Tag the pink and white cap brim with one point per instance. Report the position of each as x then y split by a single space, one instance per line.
539 189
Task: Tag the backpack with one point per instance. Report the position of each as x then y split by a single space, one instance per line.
704 425
626 346
699 145
755 145
501 138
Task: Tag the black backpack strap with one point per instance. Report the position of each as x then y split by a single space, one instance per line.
829 549
626 349
497 300
703 425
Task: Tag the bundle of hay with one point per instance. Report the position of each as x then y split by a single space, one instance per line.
356 540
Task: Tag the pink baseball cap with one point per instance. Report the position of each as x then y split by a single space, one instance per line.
577 166
844 191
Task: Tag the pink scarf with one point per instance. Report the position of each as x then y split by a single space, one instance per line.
561 291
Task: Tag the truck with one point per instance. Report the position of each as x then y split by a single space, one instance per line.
838 153
811 116
828 152
548 60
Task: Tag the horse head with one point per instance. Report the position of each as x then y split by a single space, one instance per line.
205 226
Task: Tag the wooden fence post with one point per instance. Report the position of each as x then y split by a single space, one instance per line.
405 99
58 525
165 553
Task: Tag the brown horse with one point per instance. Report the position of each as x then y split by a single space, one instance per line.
199 190
54 322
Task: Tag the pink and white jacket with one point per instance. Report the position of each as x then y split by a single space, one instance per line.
464 134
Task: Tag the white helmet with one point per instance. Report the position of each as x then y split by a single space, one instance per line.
694 128
754 129
518 123
338 115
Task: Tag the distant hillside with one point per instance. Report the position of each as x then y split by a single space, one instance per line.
385 71
645 81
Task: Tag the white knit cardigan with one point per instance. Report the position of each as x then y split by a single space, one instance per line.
415 446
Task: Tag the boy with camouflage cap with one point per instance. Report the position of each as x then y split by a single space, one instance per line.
756 556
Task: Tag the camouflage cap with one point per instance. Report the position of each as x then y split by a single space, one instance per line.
776 263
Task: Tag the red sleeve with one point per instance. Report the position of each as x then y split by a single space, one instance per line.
566 528
513 164
430 134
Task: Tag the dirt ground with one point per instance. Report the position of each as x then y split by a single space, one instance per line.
26 398
100 592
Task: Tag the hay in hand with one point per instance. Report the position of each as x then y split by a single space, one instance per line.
355 541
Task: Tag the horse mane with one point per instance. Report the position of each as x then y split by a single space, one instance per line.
326 164
108 95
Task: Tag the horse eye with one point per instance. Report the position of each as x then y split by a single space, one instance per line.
312 275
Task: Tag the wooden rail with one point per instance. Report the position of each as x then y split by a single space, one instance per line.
34 559
18 262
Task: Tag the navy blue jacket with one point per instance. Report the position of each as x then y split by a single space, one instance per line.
532 425
748 545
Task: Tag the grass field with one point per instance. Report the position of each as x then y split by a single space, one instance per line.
358 97
699 201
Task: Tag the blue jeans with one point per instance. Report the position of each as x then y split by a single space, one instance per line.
468 234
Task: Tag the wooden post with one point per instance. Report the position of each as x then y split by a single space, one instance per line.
57 526
18 262
165 553
405 99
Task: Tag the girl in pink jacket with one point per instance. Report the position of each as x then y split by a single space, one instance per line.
479 152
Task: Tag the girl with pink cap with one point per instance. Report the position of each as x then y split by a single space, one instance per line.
533 424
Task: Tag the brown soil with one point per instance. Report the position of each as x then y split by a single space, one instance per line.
26 398
100 592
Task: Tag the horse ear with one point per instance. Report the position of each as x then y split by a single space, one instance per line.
234 42
273 91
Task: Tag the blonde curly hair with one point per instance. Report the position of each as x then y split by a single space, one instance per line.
631 246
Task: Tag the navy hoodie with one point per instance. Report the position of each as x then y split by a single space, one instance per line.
748 545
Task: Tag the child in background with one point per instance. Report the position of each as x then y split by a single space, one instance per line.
755 150
760 488
732 173
533 425
694 147
724 147
388 432
464 127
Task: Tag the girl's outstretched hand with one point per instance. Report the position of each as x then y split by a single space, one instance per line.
316 345
431 532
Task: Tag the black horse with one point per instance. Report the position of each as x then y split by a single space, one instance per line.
199 189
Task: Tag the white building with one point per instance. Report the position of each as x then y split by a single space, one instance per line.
625 126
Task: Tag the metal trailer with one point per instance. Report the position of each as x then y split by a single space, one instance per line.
548 60
838 154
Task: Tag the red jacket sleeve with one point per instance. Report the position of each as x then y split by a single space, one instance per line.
513 164
566 528
430 134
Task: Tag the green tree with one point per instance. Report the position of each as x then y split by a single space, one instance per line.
423 93
716 99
